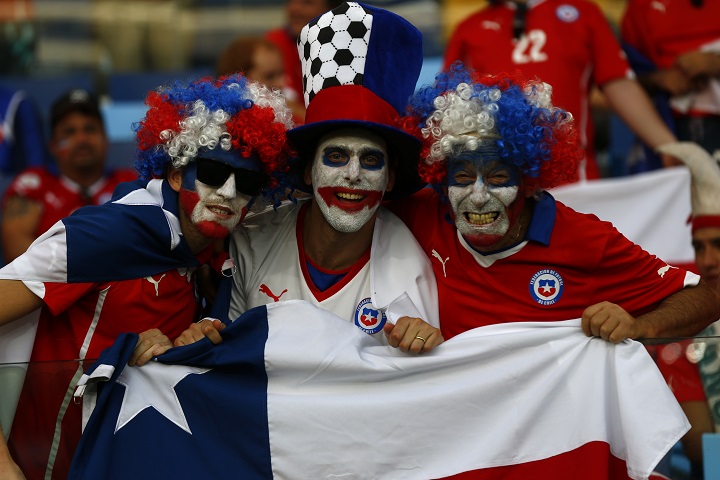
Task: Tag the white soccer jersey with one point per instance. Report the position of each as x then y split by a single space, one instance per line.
271 268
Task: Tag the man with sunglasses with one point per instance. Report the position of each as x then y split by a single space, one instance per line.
206 150
341 250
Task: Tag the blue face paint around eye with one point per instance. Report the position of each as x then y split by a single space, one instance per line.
339 157
372 160
189 177
465 168
335 157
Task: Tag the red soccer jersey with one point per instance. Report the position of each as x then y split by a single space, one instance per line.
567 43
571 261
663 29
60 196
79 321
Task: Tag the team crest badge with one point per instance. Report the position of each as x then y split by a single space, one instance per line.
546 287
567 13
368 319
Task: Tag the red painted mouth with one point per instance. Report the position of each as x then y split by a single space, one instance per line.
222 212
348 199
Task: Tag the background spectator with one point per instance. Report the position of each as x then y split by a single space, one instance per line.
260 60
40 196
681 41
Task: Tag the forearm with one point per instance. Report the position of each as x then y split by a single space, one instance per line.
8 468
16 301
682 314
633 106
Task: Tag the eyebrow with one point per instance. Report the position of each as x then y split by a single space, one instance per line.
364 150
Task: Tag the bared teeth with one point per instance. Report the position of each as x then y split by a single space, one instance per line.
481 218
221 211
350 196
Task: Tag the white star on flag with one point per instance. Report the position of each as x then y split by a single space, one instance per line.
153 385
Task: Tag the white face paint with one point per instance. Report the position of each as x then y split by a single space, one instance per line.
215 211
483 195
350 174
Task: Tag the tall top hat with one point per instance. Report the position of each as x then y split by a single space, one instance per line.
360 66
704 184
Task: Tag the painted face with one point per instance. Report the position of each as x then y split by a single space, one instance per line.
706 242
219 203
483 194
350 173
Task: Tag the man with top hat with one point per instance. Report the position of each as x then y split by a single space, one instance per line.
206 150
41 195
341 250
504 250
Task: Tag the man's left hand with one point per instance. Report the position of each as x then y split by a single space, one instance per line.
610 322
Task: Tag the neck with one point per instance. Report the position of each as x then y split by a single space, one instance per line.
195 240
85 177
330 249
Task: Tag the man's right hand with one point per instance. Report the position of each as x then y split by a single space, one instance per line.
151 343
207 327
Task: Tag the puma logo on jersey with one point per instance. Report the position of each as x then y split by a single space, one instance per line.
662 271
440 259
266 290
156 283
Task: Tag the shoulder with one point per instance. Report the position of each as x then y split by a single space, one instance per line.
122 175
477 16
32 181
391 232
580 227
272 217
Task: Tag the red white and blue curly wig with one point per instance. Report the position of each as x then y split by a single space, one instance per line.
231 113
461 110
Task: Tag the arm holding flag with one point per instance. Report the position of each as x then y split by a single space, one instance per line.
16 300
682 314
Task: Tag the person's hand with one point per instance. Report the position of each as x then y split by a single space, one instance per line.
207 327
699 64
150 344
672 80
412 334
610 322
670 161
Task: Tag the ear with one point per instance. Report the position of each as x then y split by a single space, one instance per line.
175 178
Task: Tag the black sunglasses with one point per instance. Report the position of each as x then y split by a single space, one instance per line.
215 174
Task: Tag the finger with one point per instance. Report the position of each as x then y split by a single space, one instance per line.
432 342
210 331
399 333
608 327
151 352
416 342
143 344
